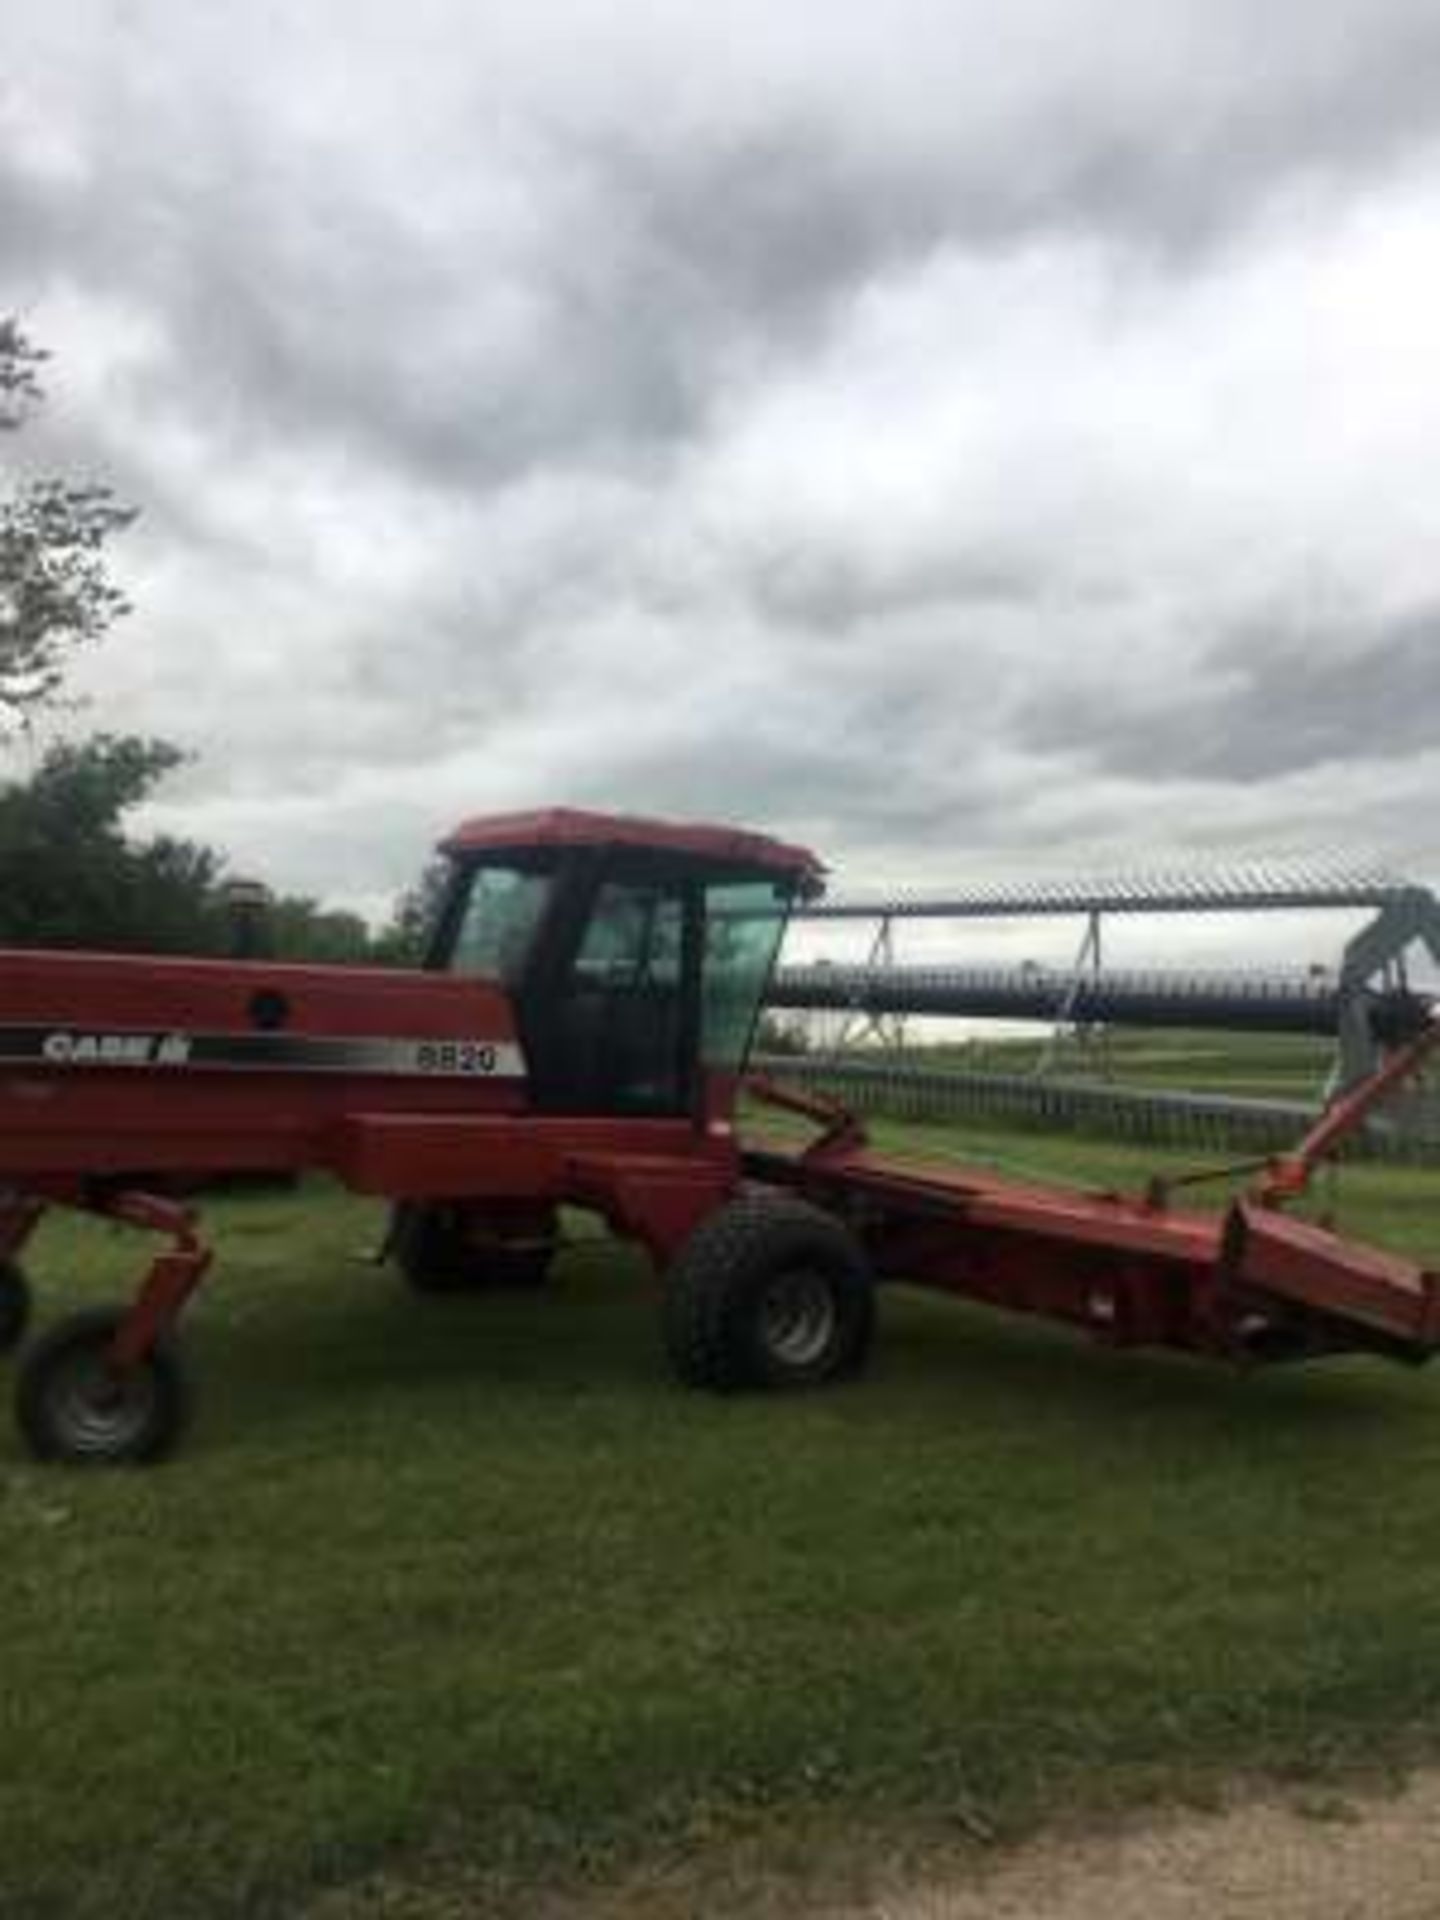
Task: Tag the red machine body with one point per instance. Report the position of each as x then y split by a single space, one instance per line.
1251 1284
151 1073
116 1063
577 1039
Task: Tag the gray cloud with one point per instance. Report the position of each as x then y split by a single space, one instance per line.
894 427
1283 700
582 276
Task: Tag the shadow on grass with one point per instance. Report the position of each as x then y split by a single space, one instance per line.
989 1358
593 1334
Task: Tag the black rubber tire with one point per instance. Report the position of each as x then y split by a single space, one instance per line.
719 1321
63 1415
15 1303
429 1245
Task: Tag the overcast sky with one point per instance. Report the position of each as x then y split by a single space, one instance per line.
972 439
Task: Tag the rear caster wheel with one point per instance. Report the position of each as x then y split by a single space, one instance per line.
14 1305
73 1406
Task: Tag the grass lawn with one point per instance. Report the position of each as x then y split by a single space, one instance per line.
1257 1066
466 1591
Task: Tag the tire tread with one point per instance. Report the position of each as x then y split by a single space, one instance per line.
33 1411
714 1282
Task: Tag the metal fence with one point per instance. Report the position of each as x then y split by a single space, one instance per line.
1209 1123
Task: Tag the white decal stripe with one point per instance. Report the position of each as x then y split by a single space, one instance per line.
171 1050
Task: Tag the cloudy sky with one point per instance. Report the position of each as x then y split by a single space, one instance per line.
974 439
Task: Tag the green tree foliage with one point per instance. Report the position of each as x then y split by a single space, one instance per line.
69 877
297 928
777 1035
403 942
55 590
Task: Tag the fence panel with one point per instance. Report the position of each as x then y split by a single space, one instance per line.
1208 1122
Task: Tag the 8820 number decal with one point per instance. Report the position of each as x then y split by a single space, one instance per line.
456 1056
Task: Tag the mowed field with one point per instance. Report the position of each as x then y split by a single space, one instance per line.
447 1600
1254 1066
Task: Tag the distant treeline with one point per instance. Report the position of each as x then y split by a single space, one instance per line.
71 875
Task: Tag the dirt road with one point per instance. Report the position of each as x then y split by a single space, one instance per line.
1350 1859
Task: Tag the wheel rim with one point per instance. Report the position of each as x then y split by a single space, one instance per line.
797 1318
97 1410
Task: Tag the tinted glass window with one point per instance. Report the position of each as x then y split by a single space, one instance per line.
502 911
743 925
633 939
611 1040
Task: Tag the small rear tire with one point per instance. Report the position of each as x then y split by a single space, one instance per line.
15 1300
74 1407
438 1251
768 1292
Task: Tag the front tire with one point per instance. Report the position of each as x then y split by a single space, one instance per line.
75 1408
14 1305
768 1292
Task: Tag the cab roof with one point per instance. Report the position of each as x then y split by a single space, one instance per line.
570 827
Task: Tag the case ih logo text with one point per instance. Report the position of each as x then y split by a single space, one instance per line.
117 1049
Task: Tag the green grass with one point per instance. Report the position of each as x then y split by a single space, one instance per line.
467 1591
1260 1066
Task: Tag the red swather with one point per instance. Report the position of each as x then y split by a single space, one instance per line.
577 1041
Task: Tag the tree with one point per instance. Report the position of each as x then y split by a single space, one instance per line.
774 1034
69 874
403 942
55 589
69 877
298 928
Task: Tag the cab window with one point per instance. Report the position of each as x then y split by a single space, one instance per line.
743 924
613 1039
497 925
633 940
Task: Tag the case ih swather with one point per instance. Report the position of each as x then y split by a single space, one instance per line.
578 1040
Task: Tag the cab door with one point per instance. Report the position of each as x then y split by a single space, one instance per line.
613 1029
